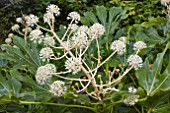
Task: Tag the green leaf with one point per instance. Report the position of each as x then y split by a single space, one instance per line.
3 62
91 17
151 79
154 21
102 14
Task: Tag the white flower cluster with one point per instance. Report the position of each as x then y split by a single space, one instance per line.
80 38
118 46
43 73
74 16
30 20
49 41
46 53
139 45
131 100
9 39
15 27
132 90
36 35
165 2
135 61
51 10
58 88
73 65
96 30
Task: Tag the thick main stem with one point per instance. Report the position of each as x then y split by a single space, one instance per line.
82 68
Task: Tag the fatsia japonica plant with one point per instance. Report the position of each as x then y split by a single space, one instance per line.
73 63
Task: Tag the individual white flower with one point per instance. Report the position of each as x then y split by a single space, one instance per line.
8 40
31 20
132 90
48 18
42 75
49 41
73 65
118 46
123 39
10 35
53 9
139 45
50 68
46 53
79 40
165 2
58 88
74 27
96 30
19 20
131 100
74 16
36 35
135 61
15 27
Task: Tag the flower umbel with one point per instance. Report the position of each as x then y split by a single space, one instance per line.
132 90
43 74
96 30
139 45
49 41
58 88
31 20
46 53
135 61
131 100
73 65
118 46
53 9
36 35
74 16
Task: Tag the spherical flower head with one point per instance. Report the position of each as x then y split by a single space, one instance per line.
131 100
123 39
132 90
139 45
46 53
10 35
74 16
19 20
165 2
96 30
48 18
36 35
31 20
73 65
49 41
58 88
42 75
15 27
53 9
118 46
135 61
50 68
8 40
79 40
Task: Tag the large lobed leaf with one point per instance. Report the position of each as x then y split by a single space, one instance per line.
152 80
23 54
